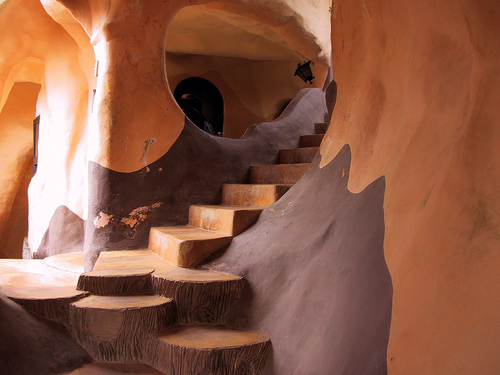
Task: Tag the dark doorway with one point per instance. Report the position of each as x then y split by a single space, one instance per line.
202 103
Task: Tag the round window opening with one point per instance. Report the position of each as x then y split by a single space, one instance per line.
202 103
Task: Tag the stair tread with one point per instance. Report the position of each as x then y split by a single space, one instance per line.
188 233
261 185
33 279
301 149
120 272
126 259
278 173
69 262
280 166
228 207
43 293
210 337
120 302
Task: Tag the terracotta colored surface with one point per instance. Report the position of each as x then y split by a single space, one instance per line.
229 220
185 246
29 56
277 173
70 262
119 303
23 278
112 260
210 337
261 195
297 155
418 94
318 281
120 272
16 166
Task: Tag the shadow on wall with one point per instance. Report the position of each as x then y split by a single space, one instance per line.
319 282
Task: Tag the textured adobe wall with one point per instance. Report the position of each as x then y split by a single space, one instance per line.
35 48
418 94
16 167
317 278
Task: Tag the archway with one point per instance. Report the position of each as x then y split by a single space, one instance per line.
202 103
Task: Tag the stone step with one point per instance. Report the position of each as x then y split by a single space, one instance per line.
200 296
185 246
114 329
40 289
229 220
310 140
297 155
257 195
208 350
277 173
121 282
48 302
321 127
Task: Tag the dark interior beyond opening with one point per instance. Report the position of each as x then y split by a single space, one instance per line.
202 103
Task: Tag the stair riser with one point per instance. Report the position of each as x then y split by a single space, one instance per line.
116 286
311 140
227 222
200 302
298 155
184 253
321 127
118 336
251 195
247 360
56 310
277 174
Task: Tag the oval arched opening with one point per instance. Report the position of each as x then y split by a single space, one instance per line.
202 103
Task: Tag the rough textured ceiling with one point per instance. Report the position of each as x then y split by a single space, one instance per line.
203 31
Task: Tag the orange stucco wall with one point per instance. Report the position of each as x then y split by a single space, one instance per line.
16 167
253 91
418 94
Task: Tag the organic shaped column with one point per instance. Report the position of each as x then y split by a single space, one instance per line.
135 119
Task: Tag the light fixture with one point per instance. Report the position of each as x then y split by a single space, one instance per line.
304 71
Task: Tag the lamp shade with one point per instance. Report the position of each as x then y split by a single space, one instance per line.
304 71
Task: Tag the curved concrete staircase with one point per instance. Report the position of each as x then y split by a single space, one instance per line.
147 306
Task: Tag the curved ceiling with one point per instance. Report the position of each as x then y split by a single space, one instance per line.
204 31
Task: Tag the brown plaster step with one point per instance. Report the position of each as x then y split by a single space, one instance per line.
277 173
117 282
321 127
262 195
185 246
230 220
310 140
201 296
113 329
48 302
40 289
297 155
208 350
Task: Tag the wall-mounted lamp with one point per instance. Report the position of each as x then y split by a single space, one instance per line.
304 71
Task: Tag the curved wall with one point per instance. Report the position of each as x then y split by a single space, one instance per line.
418 94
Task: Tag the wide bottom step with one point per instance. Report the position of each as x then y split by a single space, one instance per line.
208 350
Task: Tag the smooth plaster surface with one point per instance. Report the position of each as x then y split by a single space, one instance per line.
418 94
